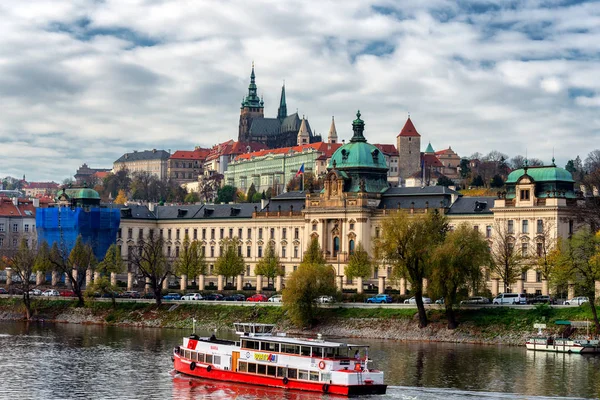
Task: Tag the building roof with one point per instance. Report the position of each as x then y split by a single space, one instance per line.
430 160
82 193
409 129
144 155
326 148
203 211
41 185
472 205
24 208
429 149
420 191
101 174
233 148
196 154
387 149
417 197
542 174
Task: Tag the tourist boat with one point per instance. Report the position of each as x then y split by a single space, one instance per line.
563 343
261 358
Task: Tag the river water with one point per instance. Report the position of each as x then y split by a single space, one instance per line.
68 361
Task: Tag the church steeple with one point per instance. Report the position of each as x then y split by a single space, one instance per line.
282 110
252 100
332 137
303 135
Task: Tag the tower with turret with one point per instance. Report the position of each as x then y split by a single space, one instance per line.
409 151
252 107
332 136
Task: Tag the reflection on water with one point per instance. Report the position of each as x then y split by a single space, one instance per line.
49 361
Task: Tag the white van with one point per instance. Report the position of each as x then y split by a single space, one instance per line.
510 298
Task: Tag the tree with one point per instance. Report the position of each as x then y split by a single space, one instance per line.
592 161
191 261
477 181
226 194
192 197
120 180
111 264
121 197
505 261
311 183
497 181
579 263
546 251
457 261
208 185
251 193
230 262
407 245
312 279
517 162
360 264
269 265
152 262
465 169
443 180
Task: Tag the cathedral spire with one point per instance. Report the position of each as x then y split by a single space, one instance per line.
332 137
252 100
282 110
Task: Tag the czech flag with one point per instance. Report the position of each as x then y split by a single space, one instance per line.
300 171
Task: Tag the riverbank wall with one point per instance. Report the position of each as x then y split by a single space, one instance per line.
494 325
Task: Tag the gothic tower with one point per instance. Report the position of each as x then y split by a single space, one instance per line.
303 135
282 110
252 107
409 151
332 137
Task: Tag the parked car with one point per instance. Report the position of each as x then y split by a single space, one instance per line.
476 300
324 299
3 291
276 298
149 295
258 297
235 297
67 293
440 301
131 294
35 292
192 296
413 300
213 296
542 299
380 298
579 300
510 298
172 296
50 292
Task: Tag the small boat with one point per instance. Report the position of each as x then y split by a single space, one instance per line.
563 343
261 358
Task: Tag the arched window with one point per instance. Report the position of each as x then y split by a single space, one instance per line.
351 246
336 246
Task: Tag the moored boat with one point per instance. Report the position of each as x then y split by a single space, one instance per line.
261 358
563 343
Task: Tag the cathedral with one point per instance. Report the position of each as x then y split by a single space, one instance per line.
281 131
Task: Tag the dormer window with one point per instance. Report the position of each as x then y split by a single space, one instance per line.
524 194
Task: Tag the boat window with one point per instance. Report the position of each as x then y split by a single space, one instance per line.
305 350
250 344
252 368
290 349
326 376
318 351
243 366
271 370
247 328
314 375
209 359
194 356
292 373
201 357
280 371
261 369
303 374
217 360
259 329
330 352
268 346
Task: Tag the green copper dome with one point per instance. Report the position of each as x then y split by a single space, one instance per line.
542 174
82 193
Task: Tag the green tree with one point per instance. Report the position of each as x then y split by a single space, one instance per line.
230 263
251 193
579 263
312 279
151 261
457 262
192 197
226 194
112 263
477 181
269 265
465 170
497 181
443 180
256 198
505 262
407 245
360 264
191 261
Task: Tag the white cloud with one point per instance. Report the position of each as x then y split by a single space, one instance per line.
85 81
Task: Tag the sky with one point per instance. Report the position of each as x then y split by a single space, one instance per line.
85 81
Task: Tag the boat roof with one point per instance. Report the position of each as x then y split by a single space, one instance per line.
303 342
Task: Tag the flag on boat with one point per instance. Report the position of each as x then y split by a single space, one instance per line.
300 171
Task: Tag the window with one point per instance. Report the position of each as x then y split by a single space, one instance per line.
240 251
538 276
259 251
260 233
511 226
295 252
176 251
1 227
249 233
570 227
15 227
296 233
186 232
168 234
351 226
295 268
15 242
525 226
351 246
26 228
230 233
212 251
284 233
488 231
524 249
272 234
203 233
282 251
476 228
376 231
240 233
162 233
314 226
212 233
540 249
524 194
176 234
221 233
1 241
195 233
129 233
168 251
248 251
540 226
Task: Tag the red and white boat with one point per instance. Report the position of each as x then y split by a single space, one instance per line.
261 358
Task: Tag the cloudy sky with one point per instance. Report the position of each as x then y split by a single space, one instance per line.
84 81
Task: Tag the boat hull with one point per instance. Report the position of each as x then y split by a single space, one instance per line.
201 370
562 346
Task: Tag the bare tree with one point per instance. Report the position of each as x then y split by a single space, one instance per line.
592 161
505 261
152 262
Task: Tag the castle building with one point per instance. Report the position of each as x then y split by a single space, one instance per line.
153 161
408 143
281 131
185 166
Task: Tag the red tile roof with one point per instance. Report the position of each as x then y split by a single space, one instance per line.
101 174
197 154
41 185
387 149
409 129
431 160
326 148
8 209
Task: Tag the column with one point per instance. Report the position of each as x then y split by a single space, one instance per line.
259 283
8 277
75 277
495 284
278 281
165 284
597 288
545 290
520 285
381 285
220 283
359 283
113 278
130 281
201 283
425 284
183 282
239 284
96 276
39 278
339 282
403 286
54 278
571 291
147 285
88 277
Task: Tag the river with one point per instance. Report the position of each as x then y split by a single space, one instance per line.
69 361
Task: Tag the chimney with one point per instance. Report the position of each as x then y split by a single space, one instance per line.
36 203
263 203
15 201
